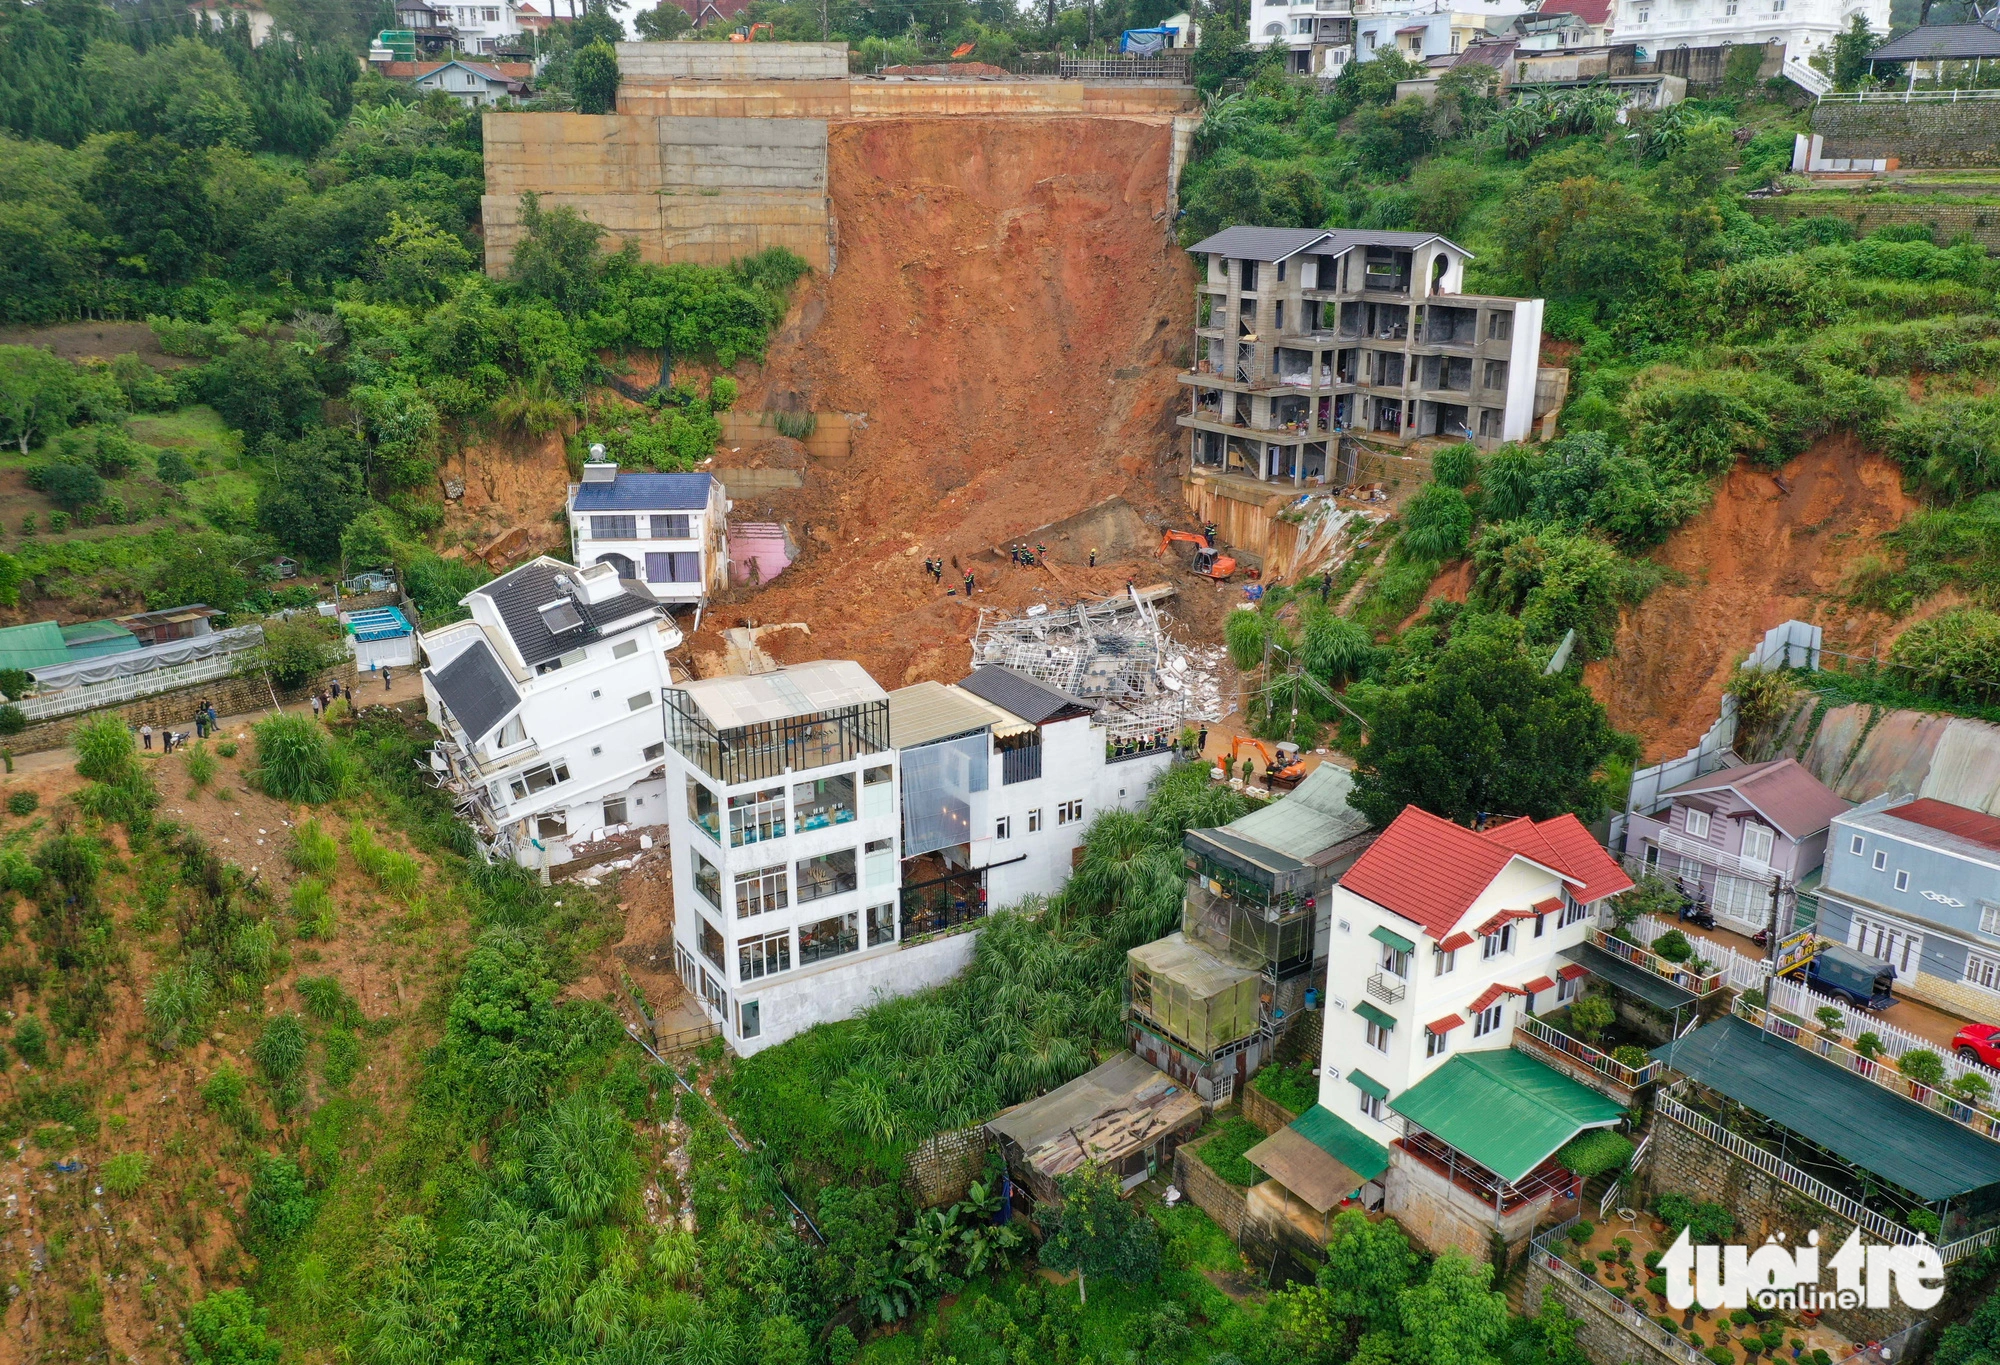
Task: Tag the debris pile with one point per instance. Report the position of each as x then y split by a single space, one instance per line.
1116 653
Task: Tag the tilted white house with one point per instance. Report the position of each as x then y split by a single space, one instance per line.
549 698
667 531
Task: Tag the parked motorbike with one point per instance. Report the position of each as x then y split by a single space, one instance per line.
1694 909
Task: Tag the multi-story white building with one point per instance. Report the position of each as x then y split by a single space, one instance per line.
1423 29
1801 27
1000 776
666 531
1317 35
549 699
1442 939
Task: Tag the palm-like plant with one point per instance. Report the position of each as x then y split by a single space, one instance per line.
581 1158
535 408
860 1101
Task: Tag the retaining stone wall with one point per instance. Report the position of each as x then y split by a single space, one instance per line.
1941 134
1211 1194
1683 1161
175 710
1440 1217
1603 1338
1946 220
1266 1113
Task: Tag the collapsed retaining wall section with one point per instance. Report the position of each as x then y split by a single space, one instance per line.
702 190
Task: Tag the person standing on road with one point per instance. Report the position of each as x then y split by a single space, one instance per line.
385 679
146 736
317 705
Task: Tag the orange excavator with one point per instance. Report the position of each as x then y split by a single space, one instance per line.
749 35
1282 772
1209 562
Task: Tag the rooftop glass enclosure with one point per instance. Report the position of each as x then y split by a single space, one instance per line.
1192 996
754 753
1250 902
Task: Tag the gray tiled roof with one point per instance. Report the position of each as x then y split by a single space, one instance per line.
1940 40
1026 697
476 690
1277 244
646 493
518 594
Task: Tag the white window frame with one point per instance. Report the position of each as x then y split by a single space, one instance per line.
1754 832
1003 828
1565 989
1489 1019
1857 845
1436 1044
1902 880
1372 1107
1499 943
1881 863
1443 963
1069 812
768 954
1377 1036
1395 962
1035 820
1982 970
1989 918
1697 820
761 891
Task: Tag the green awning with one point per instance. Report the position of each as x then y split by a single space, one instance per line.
1505 1110
1368 1084
1380 1018
1392 938
1880 1131
1342 1141
1656 991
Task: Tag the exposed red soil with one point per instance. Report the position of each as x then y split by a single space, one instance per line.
1769 549
1001 312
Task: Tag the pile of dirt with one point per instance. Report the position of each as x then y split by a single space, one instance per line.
1006 311
1771 548
507 495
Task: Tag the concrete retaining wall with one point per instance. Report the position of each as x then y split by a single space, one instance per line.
1936 133
844 987
888 98
1440 1217
1603 1338
1267 1114
1946 220
705 190
1211 1194
694 61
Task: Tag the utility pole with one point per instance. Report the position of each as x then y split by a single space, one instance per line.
1771 951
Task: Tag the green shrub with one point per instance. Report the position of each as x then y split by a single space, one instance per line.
313 849
280 1205
327 1002
280 1050
23 803
105 751
295 760
125 1174
16 683
342 1059
178 1004
1223 1152
312 908
1954 655
31 1040
1922 1065
226 748
227 1328
225 1094
201 764
1456 466
1245 631
1673 946
13 720
1290 1089
396 873
1437 524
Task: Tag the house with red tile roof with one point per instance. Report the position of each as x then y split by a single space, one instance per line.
1728 835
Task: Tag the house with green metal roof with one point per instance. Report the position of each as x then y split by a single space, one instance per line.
43 644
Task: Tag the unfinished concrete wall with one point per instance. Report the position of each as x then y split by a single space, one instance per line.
698 61
889 97
706 190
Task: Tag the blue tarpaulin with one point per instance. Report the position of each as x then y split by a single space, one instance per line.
1147 42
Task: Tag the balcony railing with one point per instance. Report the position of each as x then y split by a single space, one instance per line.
1599 1061
1682 976
1631 1316
1974 1116
1386 988
1673 841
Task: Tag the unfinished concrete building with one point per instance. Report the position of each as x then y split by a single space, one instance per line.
1305 338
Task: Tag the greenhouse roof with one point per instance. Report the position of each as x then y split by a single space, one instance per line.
1656 991
1202 972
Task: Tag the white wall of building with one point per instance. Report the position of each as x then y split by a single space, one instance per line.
707 537
1803 26
1042 835
1354 957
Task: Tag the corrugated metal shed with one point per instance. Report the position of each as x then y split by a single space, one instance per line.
1313 819
926 712
378 623
34 645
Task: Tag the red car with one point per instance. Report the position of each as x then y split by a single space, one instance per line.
1978 1043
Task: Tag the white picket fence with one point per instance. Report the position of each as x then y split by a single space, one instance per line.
1747 974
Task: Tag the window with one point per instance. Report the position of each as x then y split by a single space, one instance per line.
822 803
614 528
1487 1019
756 816
1069 812
878 793
1540 924
827 875
881 925
654 751
827 938
1436 1043
512 733
1495 376
1645 15
672 526
1500 941
1697 824
1034 822
624 649
569 660
638 701
538 779
1250 267
1020 757
1371 1106
751 1019
1395 961
1989 918
554 825
1003 828
707 881
1757 843
614 810
879 859
1378 1037
759 891
709 939
1982 970
1881 859
704 812
1902 880
1278 308
1729 9
1777 6
1443 963
1856 844
1565 989
1492 422
766 955
673 566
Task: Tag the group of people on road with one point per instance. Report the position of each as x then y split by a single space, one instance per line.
170 740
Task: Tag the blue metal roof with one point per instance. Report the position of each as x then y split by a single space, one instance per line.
378 623
646 493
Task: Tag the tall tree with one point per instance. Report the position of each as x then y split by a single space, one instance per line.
1096 1232
38 392
593 76
1454 1317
